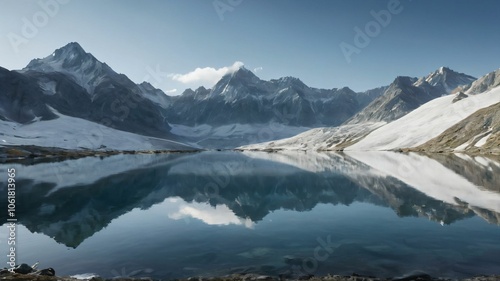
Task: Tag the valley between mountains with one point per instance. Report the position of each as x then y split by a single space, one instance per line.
70 100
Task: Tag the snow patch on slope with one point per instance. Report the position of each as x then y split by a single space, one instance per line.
327 138
462 147
75 133
425 122
482 141
48 87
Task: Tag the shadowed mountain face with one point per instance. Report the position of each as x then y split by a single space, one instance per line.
76 84
241 97
72 208
19 98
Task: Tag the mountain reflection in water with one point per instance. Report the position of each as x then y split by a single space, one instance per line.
74 200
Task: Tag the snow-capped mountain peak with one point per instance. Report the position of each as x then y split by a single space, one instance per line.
69 56
70 51
446 79
289 81
443 69
404 81
72 60
77 84
237 84
147 86
242 75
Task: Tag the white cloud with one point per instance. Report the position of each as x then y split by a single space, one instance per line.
218 215
257 69
208 75
171 91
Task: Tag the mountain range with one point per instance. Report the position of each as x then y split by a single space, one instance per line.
241 97
71 83
406 94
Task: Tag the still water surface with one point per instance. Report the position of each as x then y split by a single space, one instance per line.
215 213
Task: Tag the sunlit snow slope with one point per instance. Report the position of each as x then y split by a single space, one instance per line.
426 122
75 133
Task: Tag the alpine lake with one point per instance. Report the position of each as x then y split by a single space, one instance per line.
215 213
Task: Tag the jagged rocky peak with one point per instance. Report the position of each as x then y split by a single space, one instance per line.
147 85
445 73
238 83
289 81
200 92
346 90
72 60
485 83
70 50
444 69
446 79
404 81
71 55
240 74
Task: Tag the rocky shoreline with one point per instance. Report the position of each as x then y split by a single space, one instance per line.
24 272
30 154
247 277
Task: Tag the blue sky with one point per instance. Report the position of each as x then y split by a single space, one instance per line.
164 41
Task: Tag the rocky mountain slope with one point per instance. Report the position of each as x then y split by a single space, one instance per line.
478 133
242 109
406 94
426 122
238 108
420 125
76 84
483 84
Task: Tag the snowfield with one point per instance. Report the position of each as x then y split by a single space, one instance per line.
327 138
75 133
425 122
